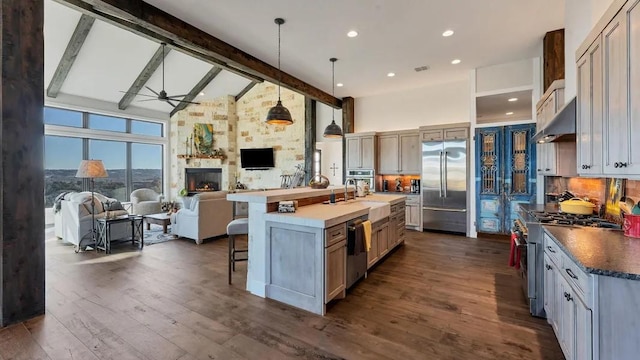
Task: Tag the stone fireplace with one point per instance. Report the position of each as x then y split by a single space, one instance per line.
199 180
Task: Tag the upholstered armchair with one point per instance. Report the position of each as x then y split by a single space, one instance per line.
205 215
146 201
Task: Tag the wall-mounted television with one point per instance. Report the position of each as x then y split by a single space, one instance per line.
259 158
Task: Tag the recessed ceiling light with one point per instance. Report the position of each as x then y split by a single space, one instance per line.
339 84
201 94
456 61
391 74
352 33
509 113
447 33
513 99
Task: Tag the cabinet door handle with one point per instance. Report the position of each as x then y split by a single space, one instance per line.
584 167
623 164
548 266
617 164
571 273
547 169
551 249
568 296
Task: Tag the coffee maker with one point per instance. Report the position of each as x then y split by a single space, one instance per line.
415 186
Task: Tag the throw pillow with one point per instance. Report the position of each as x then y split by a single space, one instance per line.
112 205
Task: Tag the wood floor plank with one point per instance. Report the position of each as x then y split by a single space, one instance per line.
437 297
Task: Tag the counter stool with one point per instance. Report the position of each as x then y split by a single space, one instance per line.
236 227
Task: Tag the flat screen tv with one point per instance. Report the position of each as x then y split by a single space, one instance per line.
260 158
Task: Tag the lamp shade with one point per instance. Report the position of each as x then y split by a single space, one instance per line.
332 131
279 115
91 169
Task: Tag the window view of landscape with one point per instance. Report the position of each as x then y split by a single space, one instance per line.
63 154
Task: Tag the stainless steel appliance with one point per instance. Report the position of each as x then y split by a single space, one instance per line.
356 264
528 232
385 185
415 186
444 185
366 176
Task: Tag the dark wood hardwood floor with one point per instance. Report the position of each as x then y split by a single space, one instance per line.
437 297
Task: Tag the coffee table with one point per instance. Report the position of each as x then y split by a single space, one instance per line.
159 219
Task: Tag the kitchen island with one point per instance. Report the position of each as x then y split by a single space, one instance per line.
300 258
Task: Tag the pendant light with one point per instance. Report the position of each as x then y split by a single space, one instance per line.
333 130
279 114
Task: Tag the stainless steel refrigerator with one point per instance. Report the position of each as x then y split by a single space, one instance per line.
444 185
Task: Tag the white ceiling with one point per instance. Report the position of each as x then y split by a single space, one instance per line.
394 36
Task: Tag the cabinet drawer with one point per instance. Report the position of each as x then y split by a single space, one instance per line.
580 281
334 234
401 234
432 135
553 250
456 134
413 200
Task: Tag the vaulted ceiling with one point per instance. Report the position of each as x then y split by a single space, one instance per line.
394 36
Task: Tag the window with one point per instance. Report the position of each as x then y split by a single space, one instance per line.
108 123
114 156
130 165
146 166
54 116
62 155
146 128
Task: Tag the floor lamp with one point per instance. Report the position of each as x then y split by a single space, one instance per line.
91 169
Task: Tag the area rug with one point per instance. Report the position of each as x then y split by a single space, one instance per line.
156 236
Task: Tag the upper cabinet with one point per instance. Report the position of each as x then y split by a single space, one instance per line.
399 152
361 150
553 159
609 89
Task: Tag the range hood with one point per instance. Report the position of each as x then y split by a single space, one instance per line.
562 128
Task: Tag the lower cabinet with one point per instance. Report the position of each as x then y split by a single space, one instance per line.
567 312
335 264
379 241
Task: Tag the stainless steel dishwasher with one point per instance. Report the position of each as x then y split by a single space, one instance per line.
356 264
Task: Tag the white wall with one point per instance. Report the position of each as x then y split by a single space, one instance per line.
439 104
331 148
504 76
580 17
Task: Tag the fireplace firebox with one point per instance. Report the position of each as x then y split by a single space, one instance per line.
199 180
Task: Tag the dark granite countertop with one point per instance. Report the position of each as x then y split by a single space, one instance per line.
599 251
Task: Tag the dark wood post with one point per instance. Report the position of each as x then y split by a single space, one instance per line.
22 170
309 136
553 57
348 126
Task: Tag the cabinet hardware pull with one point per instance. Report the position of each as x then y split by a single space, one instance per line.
616 165
551 249
548 267
539 169
584 167
571 273
623 164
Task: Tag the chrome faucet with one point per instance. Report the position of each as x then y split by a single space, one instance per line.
346 183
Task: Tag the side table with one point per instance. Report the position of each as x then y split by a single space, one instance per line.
103 242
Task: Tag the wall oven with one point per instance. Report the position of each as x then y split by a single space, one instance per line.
368 176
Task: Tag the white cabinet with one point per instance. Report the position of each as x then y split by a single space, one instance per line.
566 289
609 86
399 153
553 159
360 151
589 111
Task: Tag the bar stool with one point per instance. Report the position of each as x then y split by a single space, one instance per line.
236 227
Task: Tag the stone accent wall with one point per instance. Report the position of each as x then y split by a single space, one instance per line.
253 132
221 112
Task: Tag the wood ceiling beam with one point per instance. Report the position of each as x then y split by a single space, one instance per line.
208 77
70 54
143 77
88 9
142 18
245 90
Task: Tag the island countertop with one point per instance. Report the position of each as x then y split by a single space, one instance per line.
271 196
327 215
320 215
599 251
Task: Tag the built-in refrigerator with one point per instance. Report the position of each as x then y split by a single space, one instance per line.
444 185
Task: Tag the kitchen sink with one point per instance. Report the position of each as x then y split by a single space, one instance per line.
377 210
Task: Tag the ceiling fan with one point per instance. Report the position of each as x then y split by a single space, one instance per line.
162 95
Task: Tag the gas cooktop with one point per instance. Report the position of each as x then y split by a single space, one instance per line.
559 218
